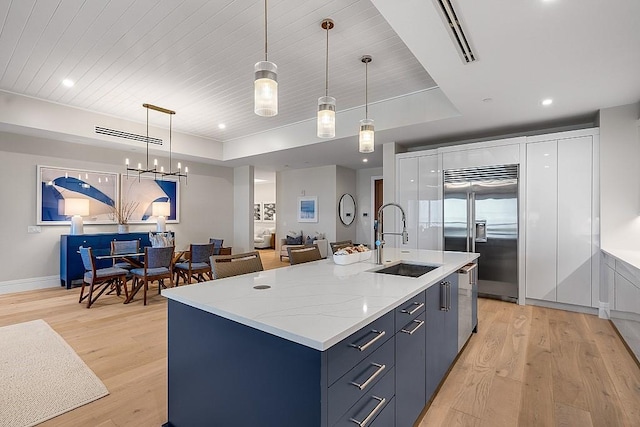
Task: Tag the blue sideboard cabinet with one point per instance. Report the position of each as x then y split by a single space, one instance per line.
71 268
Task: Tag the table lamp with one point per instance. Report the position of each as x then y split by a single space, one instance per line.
77 208
162 210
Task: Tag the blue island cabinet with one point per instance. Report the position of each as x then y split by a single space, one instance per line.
223 373
71 268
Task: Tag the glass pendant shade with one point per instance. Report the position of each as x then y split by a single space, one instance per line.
266 89
367 136
326 117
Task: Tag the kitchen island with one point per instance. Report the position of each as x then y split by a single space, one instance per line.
312 344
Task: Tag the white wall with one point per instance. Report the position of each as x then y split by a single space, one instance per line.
243 209
291 184
34 258
364 224
619 177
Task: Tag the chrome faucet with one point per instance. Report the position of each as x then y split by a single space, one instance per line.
380 232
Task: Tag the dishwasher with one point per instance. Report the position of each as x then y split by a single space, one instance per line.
467 302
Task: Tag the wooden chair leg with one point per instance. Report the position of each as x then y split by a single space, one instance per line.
146 286
82 292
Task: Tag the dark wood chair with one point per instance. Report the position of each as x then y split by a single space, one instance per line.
234 265
336 246
197 266
299 255
158 266
100 279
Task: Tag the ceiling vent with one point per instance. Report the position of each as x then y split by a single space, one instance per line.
457 32
127 135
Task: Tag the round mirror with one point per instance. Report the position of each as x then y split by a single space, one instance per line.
347 209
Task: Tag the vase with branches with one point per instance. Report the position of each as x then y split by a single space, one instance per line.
122 214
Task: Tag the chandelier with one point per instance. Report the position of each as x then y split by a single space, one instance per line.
148 170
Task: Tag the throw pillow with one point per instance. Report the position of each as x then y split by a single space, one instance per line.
309 240
294 240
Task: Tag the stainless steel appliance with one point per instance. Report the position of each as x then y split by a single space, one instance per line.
481 215
467 303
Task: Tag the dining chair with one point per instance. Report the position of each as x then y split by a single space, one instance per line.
158 266
301 254
234 265
336 246
119 247
217 244
197 266
106 278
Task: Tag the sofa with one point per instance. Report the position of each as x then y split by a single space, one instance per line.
317 239
263 239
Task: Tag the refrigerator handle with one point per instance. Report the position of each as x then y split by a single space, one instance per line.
472 219
469 223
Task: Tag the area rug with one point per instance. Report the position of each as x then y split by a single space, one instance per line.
41 376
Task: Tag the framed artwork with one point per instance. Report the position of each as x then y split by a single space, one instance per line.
145 191
268 211
55 185
308 209
256 212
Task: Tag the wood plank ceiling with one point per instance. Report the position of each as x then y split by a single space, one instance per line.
197 57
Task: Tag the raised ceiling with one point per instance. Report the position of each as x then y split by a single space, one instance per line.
197 56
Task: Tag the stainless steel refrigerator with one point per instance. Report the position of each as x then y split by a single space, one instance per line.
481 215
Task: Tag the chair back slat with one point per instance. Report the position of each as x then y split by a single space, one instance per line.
301 254
234 265
158 257
124 247
87 259
201 253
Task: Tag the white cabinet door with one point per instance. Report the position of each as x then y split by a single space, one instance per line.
542 220
627 295
407 171
430 203
575 166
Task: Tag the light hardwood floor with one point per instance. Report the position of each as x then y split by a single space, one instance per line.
527 366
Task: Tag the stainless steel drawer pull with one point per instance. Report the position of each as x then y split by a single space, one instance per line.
443 296
418 306
410 332
372 377
372 414
379 334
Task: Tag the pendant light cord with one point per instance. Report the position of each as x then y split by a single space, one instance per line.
170 132
326 79
265 30
147 138
366 90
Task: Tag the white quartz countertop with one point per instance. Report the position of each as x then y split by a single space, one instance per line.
317 304
626 255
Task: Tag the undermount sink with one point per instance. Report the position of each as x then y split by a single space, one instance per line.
408 270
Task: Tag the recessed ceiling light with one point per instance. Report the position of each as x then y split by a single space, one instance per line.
68 82
259 180
547 102
222 126
365 160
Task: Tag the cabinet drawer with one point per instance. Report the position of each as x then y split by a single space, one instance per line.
350 351
409 310
359 381
371 406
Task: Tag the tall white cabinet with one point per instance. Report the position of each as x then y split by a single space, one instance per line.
419 192
560 226
558 198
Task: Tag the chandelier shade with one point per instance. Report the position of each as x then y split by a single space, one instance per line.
366 136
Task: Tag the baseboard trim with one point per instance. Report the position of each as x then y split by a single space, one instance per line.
562 306
29 284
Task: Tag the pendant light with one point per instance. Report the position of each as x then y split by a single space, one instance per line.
265 85
326 103
367 134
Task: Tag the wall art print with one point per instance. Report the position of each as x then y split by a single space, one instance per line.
56 184
268 211
145 191
257 212
308 209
